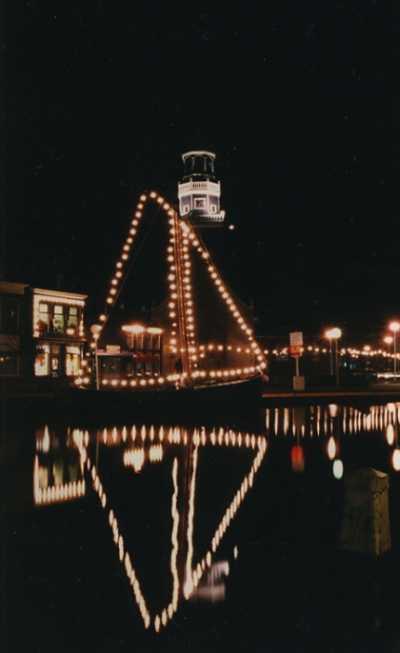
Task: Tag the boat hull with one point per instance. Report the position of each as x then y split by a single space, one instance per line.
190 404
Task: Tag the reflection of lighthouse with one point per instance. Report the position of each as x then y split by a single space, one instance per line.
199 192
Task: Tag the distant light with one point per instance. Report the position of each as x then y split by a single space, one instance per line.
338 469
388 340
334 333
394 326
231 227
133 328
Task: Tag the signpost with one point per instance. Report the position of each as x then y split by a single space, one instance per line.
295 350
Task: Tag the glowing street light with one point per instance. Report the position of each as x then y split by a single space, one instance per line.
333 335
394 327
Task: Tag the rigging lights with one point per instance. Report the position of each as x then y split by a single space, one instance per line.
181 238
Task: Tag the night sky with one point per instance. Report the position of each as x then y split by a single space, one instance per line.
103 96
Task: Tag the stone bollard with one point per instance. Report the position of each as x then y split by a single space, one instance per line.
366 522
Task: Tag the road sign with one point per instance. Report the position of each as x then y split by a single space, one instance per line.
296 339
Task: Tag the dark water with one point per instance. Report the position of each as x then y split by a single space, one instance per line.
167 537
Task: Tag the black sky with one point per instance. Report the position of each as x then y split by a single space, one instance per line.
103 96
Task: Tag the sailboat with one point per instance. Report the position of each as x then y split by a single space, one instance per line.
202 339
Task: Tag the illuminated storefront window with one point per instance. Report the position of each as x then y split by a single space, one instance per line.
72 317
42 360
44 320
72 360
58 319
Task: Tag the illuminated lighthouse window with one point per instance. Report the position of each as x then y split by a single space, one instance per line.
200 190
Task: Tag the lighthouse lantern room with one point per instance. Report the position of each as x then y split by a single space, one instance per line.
199 191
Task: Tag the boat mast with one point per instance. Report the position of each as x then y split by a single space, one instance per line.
183 336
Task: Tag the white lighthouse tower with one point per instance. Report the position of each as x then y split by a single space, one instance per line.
199 191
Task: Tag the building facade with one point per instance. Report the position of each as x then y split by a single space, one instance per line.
42 332
57 331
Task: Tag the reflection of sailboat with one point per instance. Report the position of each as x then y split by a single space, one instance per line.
138 448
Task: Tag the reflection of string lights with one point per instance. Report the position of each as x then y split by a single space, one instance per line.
331 448
345 420
174 436
390 434
281 421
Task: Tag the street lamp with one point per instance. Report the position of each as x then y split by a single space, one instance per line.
333 335
394 327
95 330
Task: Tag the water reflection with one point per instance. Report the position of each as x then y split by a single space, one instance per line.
67 463
325 420
333 421
57 470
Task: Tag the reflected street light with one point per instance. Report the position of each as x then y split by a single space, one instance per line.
394 327
333 335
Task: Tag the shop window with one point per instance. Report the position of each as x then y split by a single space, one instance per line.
58 319
9 363
200 203
44 319
42 360
72 361
72 317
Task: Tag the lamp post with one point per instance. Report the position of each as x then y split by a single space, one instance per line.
388 340
95 331
333 335
394 327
